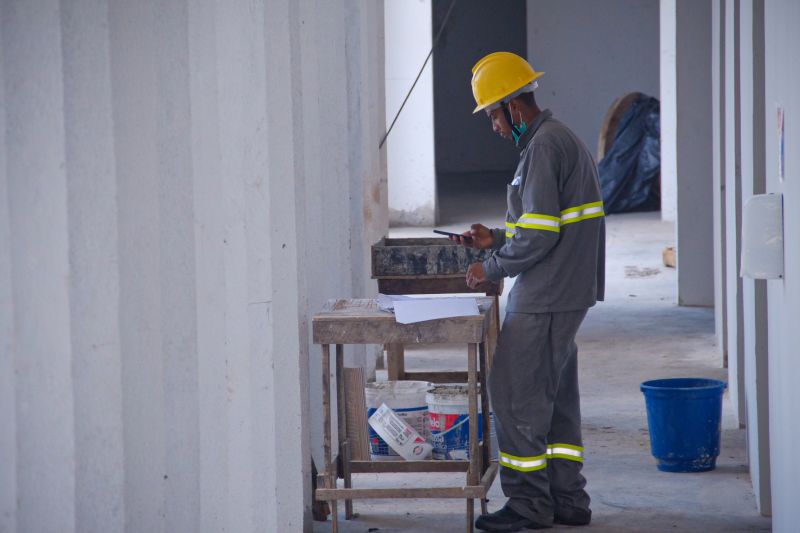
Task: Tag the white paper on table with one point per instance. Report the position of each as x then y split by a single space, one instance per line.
386 302
421 309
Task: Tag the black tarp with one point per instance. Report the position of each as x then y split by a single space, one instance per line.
630 171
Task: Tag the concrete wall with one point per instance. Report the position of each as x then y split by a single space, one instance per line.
755 42
686 141
781 42
592 53
410 148
164 171
465 143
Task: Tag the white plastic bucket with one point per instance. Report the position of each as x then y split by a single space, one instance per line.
448 413
407 399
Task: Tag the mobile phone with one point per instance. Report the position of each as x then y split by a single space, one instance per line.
451 234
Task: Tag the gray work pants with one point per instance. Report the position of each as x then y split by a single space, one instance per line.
533 387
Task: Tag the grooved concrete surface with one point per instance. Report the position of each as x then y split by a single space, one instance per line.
639 333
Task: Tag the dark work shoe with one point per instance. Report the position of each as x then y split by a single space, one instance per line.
573 517
506 519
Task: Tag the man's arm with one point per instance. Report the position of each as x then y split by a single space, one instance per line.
537 230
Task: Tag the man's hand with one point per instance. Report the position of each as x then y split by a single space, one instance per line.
476 275
481 237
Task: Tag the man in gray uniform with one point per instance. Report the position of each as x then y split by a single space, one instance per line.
554 243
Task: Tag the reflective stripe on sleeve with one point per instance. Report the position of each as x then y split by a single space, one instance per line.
539 221
510 227
582 212
565 451
551 223
523 464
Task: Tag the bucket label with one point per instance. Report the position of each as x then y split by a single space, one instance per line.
450 435
416 417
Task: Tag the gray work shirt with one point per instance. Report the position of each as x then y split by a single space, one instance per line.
554 239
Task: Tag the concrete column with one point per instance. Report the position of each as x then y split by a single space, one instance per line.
288 495
135 105
668 77
210 282
8 403
94 264
410 148
754 292
694 223
718 134
686 143
733 209
37 197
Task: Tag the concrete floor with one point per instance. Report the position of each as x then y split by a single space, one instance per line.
638 333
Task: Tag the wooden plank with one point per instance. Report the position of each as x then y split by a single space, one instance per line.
489 475
427 256
356 413
349 321
370 332
485 409
348 479
395 361
404 467
435 285
341 416
330 475
472 383
438 376
476 491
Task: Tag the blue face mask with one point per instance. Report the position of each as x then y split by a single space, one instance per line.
518 131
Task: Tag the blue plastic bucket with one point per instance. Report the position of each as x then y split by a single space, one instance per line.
684 416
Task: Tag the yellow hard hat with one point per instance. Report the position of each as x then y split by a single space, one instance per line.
499 75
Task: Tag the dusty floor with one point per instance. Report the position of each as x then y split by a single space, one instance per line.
638 333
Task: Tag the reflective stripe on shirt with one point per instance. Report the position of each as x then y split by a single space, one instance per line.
551 223
539 221
582 212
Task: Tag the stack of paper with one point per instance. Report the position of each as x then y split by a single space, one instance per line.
409 310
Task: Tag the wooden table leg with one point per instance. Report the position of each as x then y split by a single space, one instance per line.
340 403
348 478
341 408
474 459
486 415
485 409
395 355
330 472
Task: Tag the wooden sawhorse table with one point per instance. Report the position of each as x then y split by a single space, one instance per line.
351 321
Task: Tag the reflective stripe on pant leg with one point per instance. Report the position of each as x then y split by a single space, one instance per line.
565 451
523 464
